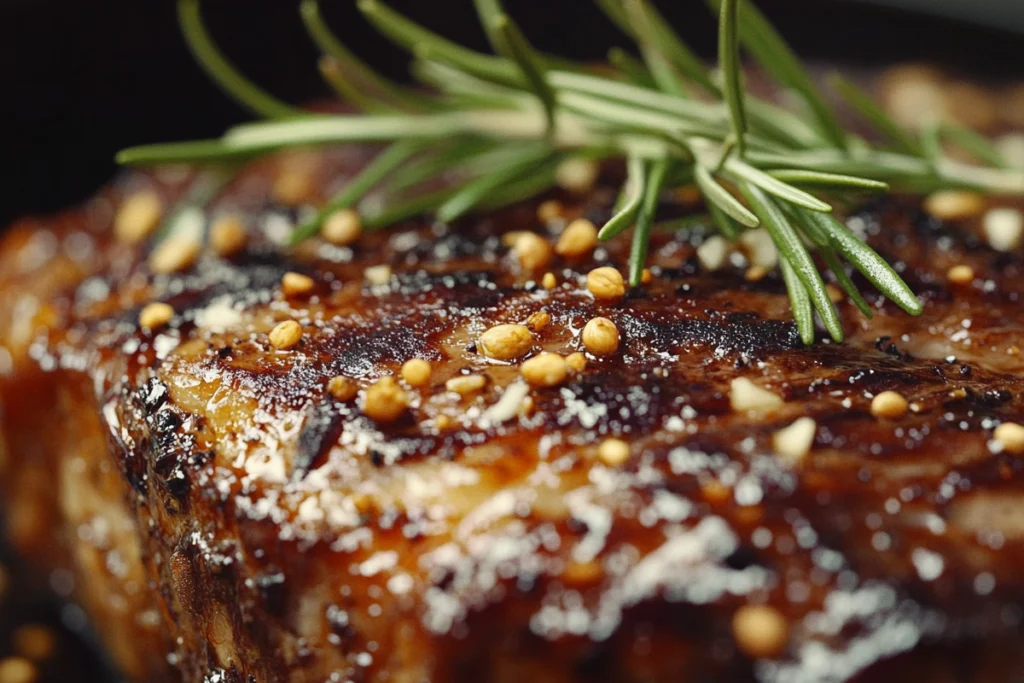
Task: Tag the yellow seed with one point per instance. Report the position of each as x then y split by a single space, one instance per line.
601 336
577 174
466 384
755 273
889 405
174 255
378 275
443 422
342 227
538 320
578 239
17 670
544 370
34 641
971 106
960 275
510 238
761 631
582 573
527 406
1011 145
577 362
712 252
549 281
954 205
228 236
385 400
296 285
715 492
342 388
285 335
155 315
416 372
550 210
613 452
294 183
745 395
606 284
532 251
646 276
1004 228
1011 436
138 216
364 503
505 342
912 94
794 442
760 248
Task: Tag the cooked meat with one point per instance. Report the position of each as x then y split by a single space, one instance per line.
230 512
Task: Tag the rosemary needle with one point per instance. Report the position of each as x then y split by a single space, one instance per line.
380 89
633 194
720 197
803 312
728 56
645 219
222 72
844 281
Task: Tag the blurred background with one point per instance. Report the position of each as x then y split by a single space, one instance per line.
80 79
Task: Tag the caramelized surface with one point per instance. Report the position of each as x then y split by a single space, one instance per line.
265 531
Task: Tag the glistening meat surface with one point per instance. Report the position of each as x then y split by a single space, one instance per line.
226 518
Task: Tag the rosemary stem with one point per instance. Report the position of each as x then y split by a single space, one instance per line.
645 219
222 72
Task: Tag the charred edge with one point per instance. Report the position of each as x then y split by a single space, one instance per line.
746 334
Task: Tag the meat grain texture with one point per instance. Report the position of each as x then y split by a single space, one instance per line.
227 517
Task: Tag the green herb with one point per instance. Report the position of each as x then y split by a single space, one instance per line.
645 220
800 300
222 72
632 194
491 130
728 61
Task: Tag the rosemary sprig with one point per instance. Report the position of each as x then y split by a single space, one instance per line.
490 130
632 196
386 162
222 72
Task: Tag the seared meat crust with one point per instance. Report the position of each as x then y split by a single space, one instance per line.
226 518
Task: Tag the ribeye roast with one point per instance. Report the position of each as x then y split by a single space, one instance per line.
232 510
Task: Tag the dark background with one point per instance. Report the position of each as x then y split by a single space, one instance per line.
80 79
